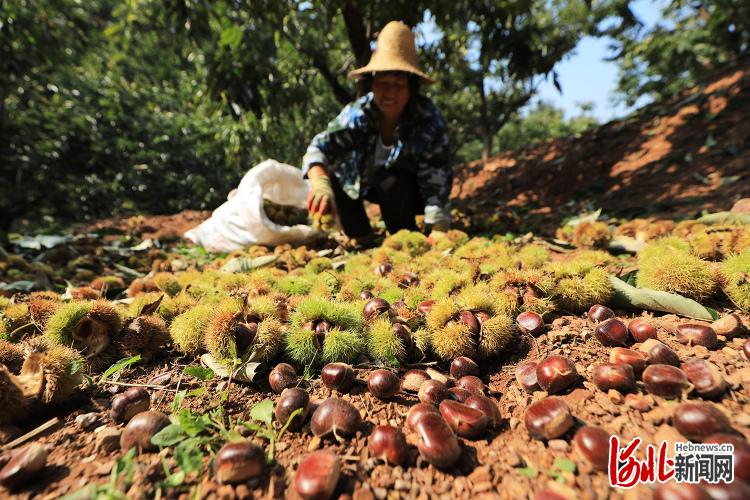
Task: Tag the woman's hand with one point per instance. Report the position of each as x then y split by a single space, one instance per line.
320 199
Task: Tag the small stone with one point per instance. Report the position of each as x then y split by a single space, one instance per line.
24 465
513 422
637 402
558 445
314 443
108 440
86 421
615 396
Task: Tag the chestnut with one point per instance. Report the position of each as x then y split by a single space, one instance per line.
556 374
592 444
531 323
462 366
658 353
23 466
425 306
599 313
244 334
705 377
482 317
389 444
612 333
409 279
471 383
437 443
281 377
696 334
140 430
335 417
641 329
486 406
741 453
384 268
432 392
468 319
665 380
728 326
238 462
365 295
526 376
697 420
624 356
413 380
375 307
465 421
322 327
736 490
383 384
548 418
680 491
458 394
337 376
416 412
613 376
746 348
291 400
317 475
129 403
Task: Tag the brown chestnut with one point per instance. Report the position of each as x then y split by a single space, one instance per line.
291 400
556 374
413 380
741 453
624 356
641 329
128 404
531 323
465 421
425 306
728 326
337 376
140 430
389 444
317 475
281 377
432 392
322 327
238 462
696 334
697 420
526 376
486 406
462 366
244 334
612 333
680 491
705 377
409 279
548 418
335 417
365 295
416 412
23 466
599 313
468 319
471 383
613 376
736 490
384 268
458 394
383 384
437 443
592 444
658 353
375 307
746 348
665 380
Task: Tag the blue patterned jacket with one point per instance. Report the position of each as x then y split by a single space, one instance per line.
347 149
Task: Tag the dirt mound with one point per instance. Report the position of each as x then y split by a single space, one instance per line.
671 159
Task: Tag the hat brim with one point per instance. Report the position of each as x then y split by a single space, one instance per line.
376 68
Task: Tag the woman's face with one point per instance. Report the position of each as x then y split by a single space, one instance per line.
391 92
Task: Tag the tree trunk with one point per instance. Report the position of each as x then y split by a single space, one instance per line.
359 38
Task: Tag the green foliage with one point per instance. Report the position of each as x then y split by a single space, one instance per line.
114 372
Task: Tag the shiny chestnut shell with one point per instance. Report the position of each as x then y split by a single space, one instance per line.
526 376
140 430
531 323
612 333
486 406
437 443
705 377
335 416
697 420
465 421
317 475
462 366
281 377
659 353
471 383
592 444
665 380
291 400
624 356
389 444
238 462
383 384
337 376
375 307
599 313
641 329
548 418
129 403
697 334
432 392
556 374
613 376
416 412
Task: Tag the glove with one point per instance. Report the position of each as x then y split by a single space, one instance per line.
321 199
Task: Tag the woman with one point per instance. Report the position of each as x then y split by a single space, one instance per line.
389 147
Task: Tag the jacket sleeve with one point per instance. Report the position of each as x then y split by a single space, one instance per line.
337 139
435 178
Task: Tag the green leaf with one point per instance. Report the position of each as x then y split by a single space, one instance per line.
189 456
529 472
199 372
243 264
263 411
176 479
288 422
655 300
115 370
564 465
191 423
168 436
178 399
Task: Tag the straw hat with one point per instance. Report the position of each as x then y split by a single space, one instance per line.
395 51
